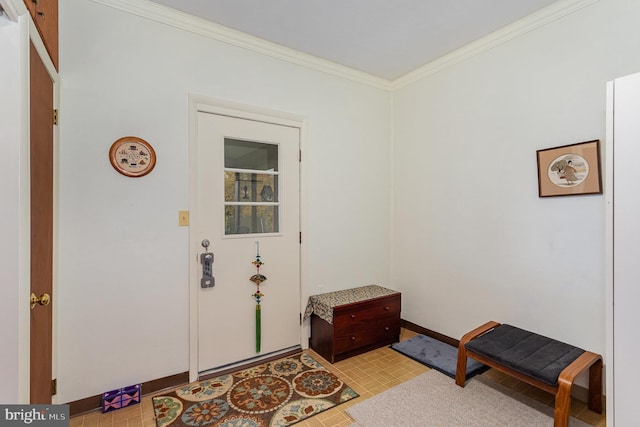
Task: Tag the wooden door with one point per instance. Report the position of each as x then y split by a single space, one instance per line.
41 171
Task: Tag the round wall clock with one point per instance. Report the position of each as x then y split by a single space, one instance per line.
132 156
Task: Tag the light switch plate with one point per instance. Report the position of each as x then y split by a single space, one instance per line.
183 218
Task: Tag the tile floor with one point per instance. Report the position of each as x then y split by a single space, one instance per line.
368 374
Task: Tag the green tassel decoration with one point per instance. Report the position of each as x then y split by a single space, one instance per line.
257 279
258 329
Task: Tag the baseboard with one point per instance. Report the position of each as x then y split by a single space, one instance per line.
428 332
579 392
92 403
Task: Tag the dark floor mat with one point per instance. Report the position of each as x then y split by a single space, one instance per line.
437 355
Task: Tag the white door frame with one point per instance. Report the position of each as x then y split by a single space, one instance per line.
233 109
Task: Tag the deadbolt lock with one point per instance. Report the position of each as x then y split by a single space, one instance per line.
44 299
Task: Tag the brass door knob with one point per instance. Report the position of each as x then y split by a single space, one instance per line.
44 299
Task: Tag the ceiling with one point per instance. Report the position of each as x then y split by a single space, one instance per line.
384 38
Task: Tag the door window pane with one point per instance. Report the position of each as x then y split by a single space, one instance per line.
251 219
251 191
250 187
250 155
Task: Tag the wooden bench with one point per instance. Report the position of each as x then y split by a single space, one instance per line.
542 362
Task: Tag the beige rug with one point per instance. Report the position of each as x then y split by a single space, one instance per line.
433 399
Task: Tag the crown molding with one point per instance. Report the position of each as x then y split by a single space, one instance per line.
166 15
542 17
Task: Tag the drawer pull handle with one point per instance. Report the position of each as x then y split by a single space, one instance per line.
386 328
353 338
353 316
386 308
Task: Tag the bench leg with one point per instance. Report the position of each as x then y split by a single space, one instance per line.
595 387
563 405
461 367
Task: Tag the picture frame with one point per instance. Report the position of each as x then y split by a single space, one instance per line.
570 170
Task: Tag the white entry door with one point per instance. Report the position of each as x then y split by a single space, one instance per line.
248 200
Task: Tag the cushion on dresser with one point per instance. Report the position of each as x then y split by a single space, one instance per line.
322 305
526 352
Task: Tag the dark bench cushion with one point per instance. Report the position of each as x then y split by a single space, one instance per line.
528 353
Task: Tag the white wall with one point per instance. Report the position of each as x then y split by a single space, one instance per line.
123 273
472 240
9 208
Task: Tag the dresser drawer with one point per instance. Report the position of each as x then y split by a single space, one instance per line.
367 315
378 331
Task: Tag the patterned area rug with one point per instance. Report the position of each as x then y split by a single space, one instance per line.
278 393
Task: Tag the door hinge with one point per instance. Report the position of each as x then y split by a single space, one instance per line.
299 155
301 318
54 387
301 237
55 116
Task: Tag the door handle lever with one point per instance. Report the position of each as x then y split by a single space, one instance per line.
206 259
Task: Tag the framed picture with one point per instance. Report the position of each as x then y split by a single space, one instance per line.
570 170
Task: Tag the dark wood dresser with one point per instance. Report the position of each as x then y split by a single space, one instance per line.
353 321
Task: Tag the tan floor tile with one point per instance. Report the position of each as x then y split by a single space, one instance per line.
126 413
311 422
592 418
104 422
521 386
338 418
135 421
148 414
91 419
324 416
